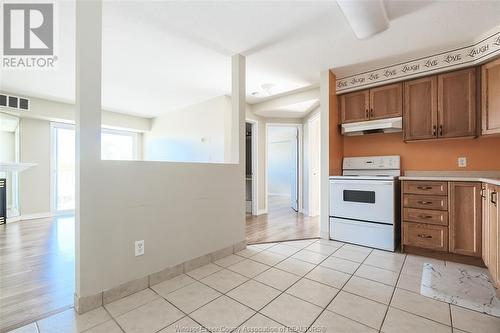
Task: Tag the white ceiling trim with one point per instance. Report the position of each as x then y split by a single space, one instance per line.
483 49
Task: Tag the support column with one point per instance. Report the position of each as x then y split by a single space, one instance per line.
88 141
238 100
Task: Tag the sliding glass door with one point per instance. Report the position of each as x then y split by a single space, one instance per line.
63 167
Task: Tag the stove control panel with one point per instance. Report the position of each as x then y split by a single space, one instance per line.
371 162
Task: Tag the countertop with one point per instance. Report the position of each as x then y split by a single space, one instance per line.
490 177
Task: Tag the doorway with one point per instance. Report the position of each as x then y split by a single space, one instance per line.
283 167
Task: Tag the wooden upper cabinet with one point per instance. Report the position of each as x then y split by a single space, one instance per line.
420 109
457 104
386 101
354 106
490 97
465 218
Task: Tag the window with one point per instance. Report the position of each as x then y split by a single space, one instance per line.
115 145
118 145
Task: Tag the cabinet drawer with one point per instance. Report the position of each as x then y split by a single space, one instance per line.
433 202
426 236
437 217
425 187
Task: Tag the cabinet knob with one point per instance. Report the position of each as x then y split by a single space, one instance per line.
494 198
371 113
434 130
441 130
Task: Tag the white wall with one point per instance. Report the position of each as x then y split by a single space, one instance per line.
65 113
199 133
34 183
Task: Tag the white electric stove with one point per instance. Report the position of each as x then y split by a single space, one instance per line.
364 202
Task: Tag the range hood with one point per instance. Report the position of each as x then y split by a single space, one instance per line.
389 125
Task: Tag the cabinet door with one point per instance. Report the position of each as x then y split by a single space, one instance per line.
486 224
494 257
420 109
457 104
490 101
386 101
465 218
354 106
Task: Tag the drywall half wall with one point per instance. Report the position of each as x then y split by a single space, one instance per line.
199 133
181 210
435 155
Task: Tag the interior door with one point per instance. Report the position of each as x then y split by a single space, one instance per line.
294 172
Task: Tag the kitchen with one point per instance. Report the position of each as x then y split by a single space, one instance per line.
415 160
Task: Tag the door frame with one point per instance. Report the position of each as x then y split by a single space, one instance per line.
299 167
255 165
310 196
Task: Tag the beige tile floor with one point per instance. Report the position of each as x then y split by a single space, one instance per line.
313 285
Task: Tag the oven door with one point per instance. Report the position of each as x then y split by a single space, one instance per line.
367 200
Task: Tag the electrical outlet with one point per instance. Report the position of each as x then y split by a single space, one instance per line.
462 162
139 248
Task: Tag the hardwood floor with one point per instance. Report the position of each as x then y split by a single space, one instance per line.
280 223
37 269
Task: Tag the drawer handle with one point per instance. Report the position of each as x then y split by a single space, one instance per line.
424 236
425 202
425 188
494 195
425 216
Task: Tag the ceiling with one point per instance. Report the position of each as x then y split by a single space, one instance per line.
161 56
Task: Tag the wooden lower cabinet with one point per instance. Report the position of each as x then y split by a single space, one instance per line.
492 240
465 218
426 236
444 217
486 224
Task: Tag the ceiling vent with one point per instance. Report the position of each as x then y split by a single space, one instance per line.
14 102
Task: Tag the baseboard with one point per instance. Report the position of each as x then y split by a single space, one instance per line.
261 211
87 303
29 217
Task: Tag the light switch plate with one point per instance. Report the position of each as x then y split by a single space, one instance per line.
139 248
462 162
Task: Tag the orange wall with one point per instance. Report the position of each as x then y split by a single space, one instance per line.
434 155
335 144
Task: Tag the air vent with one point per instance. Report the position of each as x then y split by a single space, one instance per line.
14 102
